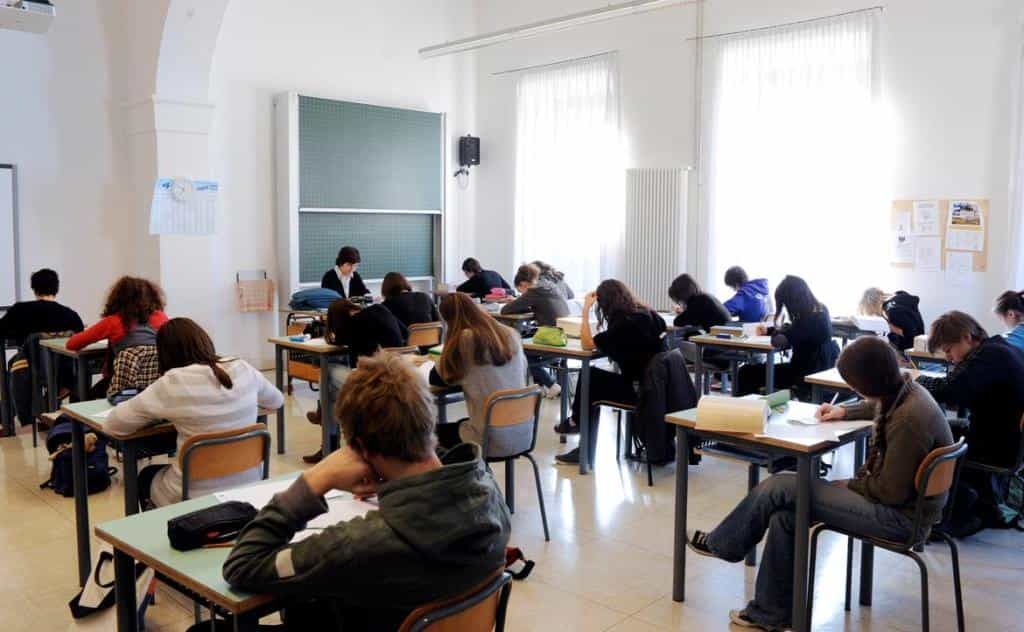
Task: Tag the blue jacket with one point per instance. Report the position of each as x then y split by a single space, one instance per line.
1016 336
750 304
313 298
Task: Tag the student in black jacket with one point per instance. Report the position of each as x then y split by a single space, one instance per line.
633 334
808 335
987 379
479 282
364 330
343 278
696 308
43 315
409 307
900 310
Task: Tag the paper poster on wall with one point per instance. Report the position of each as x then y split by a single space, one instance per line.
965 228
926 218
928 254
183 207
901 239
959 266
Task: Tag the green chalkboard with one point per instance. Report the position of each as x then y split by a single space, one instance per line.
358 156
388 242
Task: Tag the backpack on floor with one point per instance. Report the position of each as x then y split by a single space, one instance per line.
97 463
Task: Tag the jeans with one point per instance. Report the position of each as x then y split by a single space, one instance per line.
338 375
771 507
539 371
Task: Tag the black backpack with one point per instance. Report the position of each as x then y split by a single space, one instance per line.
97 463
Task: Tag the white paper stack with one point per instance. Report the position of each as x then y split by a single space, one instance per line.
921 343
572 325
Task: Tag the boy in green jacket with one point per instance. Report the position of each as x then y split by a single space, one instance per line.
441 528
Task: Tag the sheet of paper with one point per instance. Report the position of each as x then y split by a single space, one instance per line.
965 214
183 207
256 495
964 239
959 266
926 218
104 414
804 421
901 245
928 254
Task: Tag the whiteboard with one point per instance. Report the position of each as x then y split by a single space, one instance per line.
8 236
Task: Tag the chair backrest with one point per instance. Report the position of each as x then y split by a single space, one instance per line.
135 367
218 454
481 609
508 408
426 334
937 474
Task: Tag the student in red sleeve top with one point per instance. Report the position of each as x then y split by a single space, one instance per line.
133 313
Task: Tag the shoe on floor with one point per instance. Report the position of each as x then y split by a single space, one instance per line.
572 457
567 427
698 543
313 417
314 458
739 618
553 391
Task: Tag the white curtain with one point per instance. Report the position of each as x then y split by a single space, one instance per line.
793 159
1016 258
569 178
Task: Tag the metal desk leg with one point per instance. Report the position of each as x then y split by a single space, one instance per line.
124 591
279 383
510 485
802 536
84 378
130 461
585 448
563 381
326 415
81 501
867 551
6 414
753 477
698 366
679 545
769 373
50 362
816 395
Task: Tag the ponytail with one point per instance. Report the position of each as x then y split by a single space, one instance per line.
219 373
1008 301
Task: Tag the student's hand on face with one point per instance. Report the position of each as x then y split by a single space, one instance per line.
828 412
589 300
343 469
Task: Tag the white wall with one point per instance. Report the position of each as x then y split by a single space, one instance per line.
946 73
352 51
57 123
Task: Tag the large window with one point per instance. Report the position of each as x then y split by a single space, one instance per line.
569 178
793 158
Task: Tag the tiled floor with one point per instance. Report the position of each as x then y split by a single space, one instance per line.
608 565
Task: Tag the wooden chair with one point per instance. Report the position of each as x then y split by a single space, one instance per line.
299 364
218 454
482 609
937 474
1014 471
426 334
505 410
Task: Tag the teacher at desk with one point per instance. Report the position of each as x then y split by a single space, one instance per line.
343 278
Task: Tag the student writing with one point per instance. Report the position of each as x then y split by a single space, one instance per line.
547 304
1010 309
750 302
479 282
696 307
43 315
900 310
408 306
554 278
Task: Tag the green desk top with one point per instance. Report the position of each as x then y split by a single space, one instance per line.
60 345
91 412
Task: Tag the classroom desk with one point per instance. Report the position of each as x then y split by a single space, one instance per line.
781 439
832 381
53 347
752 345
319 348
916 356
574 351
197 573
519 322
727 330
86 414
845 330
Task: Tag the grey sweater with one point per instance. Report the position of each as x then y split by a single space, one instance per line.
435 535
546 303
914 425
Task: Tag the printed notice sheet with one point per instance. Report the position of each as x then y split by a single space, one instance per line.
901 240
926 218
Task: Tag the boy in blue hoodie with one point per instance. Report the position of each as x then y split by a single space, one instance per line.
750 303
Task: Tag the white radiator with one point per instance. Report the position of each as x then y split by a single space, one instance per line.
655 244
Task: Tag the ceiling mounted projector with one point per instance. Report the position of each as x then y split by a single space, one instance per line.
33 16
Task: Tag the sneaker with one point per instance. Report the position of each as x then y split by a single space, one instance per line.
739 618
567 427
313 417
314 458
698 543
553 391
572 457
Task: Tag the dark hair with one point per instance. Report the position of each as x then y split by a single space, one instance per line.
527 273
683 289
1010 300
472 265
951 327
795 296
134 300
870 366
736 277
394 284
548 271
615 300
347 254
339 315
466 320
45 282
181 342
387 409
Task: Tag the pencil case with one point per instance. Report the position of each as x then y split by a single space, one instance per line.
211 525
